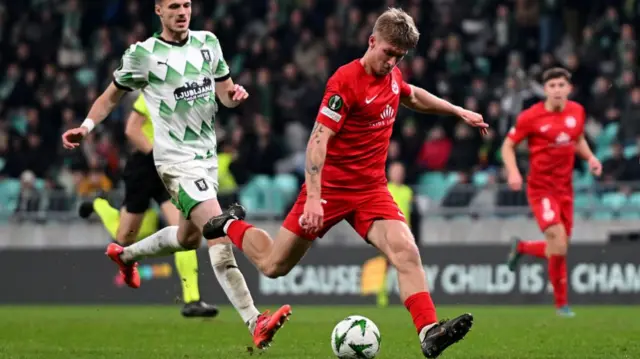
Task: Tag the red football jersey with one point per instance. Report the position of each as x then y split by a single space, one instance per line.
552 138
361 109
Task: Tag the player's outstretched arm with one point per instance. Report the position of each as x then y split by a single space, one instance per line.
584 151
230 94
130 75
100 109
421 100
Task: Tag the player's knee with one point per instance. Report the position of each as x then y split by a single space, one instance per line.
404 253
190 240
557 243
557 248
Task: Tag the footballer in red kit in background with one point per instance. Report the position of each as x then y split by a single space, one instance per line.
345 177
554 130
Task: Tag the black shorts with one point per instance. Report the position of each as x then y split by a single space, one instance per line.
142 183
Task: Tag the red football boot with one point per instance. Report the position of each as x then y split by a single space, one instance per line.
128 272
268 324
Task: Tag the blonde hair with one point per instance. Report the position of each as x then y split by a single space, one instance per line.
397 28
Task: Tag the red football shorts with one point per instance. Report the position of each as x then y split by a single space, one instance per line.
552 209
360 209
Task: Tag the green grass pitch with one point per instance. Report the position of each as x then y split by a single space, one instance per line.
110 332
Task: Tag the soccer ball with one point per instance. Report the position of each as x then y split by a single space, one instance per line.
355 337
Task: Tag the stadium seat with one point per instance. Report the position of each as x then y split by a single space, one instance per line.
39 184
253 194
630 151
452 178
634 199
428 181
481 178
458 218
85 76
9 194
607 136
583 204
285 188
576 176
633 210
629 214
582 180
610 204
433 185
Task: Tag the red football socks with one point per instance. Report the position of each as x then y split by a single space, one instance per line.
557 267
533 248
236 231
558 277
422 310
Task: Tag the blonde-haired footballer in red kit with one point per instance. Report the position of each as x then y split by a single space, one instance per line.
554 130
345 177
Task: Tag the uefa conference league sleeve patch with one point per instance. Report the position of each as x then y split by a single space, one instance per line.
334 104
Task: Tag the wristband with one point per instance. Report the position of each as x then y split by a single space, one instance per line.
88 124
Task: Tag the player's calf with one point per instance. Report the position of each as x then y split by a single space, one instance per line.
276 269
273 257
557 263
395 240
189 240
128 228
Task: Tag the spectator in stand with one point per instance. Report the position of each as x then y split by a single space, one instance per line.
488 153
462 193
464 157
630 119
436 151
614 168
632 172
28 200
95 182
56 53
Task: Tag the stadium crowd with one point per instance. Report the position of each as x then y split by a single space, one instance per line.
58 55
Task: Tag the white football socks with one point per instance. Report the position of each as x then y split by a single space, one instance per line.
226 225
232 282
162 243
424 330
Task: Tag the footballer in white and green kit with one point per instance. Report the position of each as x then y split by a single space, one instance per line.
181 73
178 83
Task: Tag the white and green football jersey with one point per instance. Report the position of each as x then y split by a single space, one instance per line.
178 83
